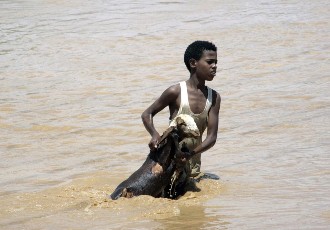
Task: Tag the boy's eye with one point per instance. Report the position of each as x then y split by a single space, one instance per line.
211 62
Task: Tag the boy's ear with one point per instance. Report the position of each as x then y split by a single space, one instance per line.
192 63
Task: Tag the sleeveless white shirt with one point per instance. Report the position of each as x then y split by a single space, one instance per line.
201 119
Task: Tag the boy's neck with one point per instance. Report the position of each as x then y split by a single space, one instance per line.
194 82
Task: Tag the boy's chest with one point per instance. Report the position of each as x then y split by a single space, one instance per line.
197 101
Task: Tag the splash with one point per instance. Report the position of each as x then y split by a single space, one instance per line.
87 198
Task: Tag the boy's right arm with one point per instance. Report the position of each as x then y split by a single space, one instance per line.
168 96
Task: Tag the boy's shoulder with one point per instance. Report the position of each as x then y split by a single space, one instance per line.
216 98
213 90
171 93
174 89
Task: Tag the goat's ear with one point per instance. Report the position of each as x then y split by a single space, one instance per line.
166 133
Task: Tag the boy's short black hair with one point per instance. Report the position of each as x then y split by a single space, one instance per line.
195 51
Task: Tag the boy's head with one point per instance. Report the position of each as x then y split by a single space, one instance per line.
195 51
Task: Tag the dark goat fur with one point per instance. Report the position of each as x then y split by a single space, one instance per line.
148 181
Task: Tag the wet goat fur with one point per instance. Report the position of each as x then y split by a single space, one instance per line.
150 178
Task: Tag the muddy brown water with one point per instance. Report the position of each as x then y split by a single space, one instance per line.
76 75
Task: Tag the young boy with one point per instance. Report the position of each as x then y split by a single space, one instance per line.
194 98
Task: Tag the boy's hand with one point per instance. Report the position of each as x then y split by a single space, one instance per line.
184 156
153 144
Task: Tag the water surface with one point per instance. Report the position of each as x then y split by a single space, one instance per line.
75 77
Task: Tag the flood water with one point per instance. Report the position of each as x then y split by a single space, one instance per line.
75 77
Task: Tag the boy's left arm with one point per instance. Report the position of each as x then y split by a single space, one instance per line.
212 127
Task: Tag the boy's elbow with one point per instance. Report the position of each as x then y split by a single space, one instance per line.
145 116
213 141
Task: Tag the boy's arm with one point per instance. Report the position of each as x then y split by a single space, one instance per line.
212 127
167 97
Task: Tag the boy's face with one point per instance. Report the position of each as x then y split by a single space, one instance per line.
206 66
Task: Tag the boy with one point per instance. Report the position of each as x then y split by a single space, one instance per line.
194 98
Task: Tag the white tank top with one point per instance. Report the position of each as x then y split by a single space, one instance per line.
201 118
